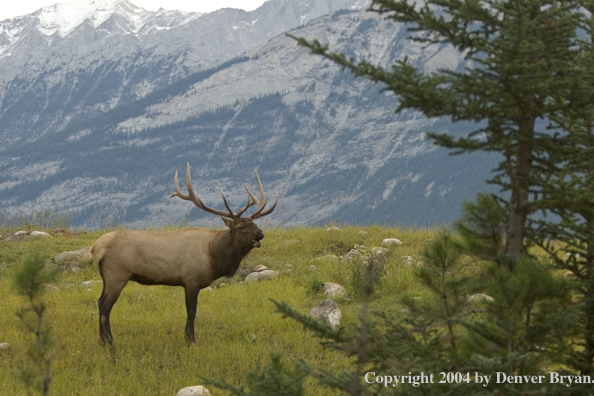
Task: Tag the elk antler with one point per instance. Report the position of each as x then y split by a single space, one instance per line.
252 200
260 202
194 198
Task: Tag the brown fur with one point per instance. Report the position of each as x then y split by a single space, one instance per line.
190 257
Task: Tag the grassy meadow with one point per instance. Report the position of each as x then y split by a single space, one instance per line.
151 356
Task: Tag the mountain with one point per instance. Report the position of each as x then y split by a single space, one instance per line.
69 62
329 144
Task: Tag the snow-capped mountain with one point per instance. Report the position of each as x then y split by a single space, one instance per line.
330 145
72 61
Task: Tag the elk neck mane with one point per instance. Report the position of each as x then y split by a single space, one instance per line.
227 253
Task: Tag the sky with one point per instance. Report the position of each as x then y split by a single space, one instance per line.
11 9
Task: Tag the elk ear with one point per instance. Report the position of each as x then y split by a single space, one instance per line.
228 222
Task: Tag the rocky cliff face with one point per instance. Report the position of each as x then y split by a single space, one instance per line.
330 145
68 62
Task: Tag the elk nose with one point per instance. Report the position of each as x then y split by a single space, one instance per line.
260 234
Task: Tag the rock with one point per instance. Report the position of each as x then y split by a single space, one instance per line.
327 311
260 268
312 268
479 298
406 258
197 390
253 337
92 283
20 233
333 229
390 242
363 234
40 234
334 290
75 258
5 346
262 275
207 288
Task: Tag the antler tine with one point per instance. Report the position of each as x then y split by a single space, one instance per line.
267 211
249 204
191 196
261 202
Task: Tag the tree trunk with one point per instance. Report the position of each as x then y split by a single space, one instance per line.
520 183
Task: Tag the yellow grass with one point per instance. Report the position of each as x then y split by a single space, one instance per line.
151 356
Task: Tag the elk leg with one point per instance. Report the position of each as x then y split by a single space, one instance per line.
109 296
191 304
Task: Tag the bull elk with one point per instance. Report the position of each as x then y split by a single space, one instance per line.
189 257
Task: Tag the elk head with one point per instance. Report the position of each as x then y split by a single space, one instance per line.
242 228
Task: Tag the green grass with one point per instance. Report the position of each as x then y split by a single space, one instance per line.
151 356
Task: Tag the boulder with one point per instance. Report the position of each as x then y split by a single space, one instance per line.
260 268
327 311
391 242
333 229
5 346
20 233
261 275
363 234
40 234
479 298
75 258
197 390
334 290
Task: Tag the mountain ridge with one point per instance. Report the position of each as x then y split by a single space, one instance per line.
330 144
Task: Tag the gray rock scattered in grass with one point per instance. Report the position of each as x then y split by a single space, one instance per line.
334 290
20 233
333 229
5 346
40 234
479 298
197 390
391 242
363 234
327 311
78 257
261 275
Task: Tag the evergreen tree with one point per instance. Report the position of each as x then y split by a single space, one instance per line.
569 188
525 64
29 281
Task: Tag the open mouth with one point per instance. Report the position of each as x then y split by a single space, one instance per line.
257 243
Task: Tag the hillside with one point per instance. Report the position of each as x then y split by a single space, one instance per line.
330 145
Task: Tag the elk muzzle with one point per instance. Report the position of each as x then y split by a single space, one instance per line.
258 238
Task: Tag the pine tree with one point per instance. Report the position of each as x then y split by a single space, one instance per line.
525 64
569 188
